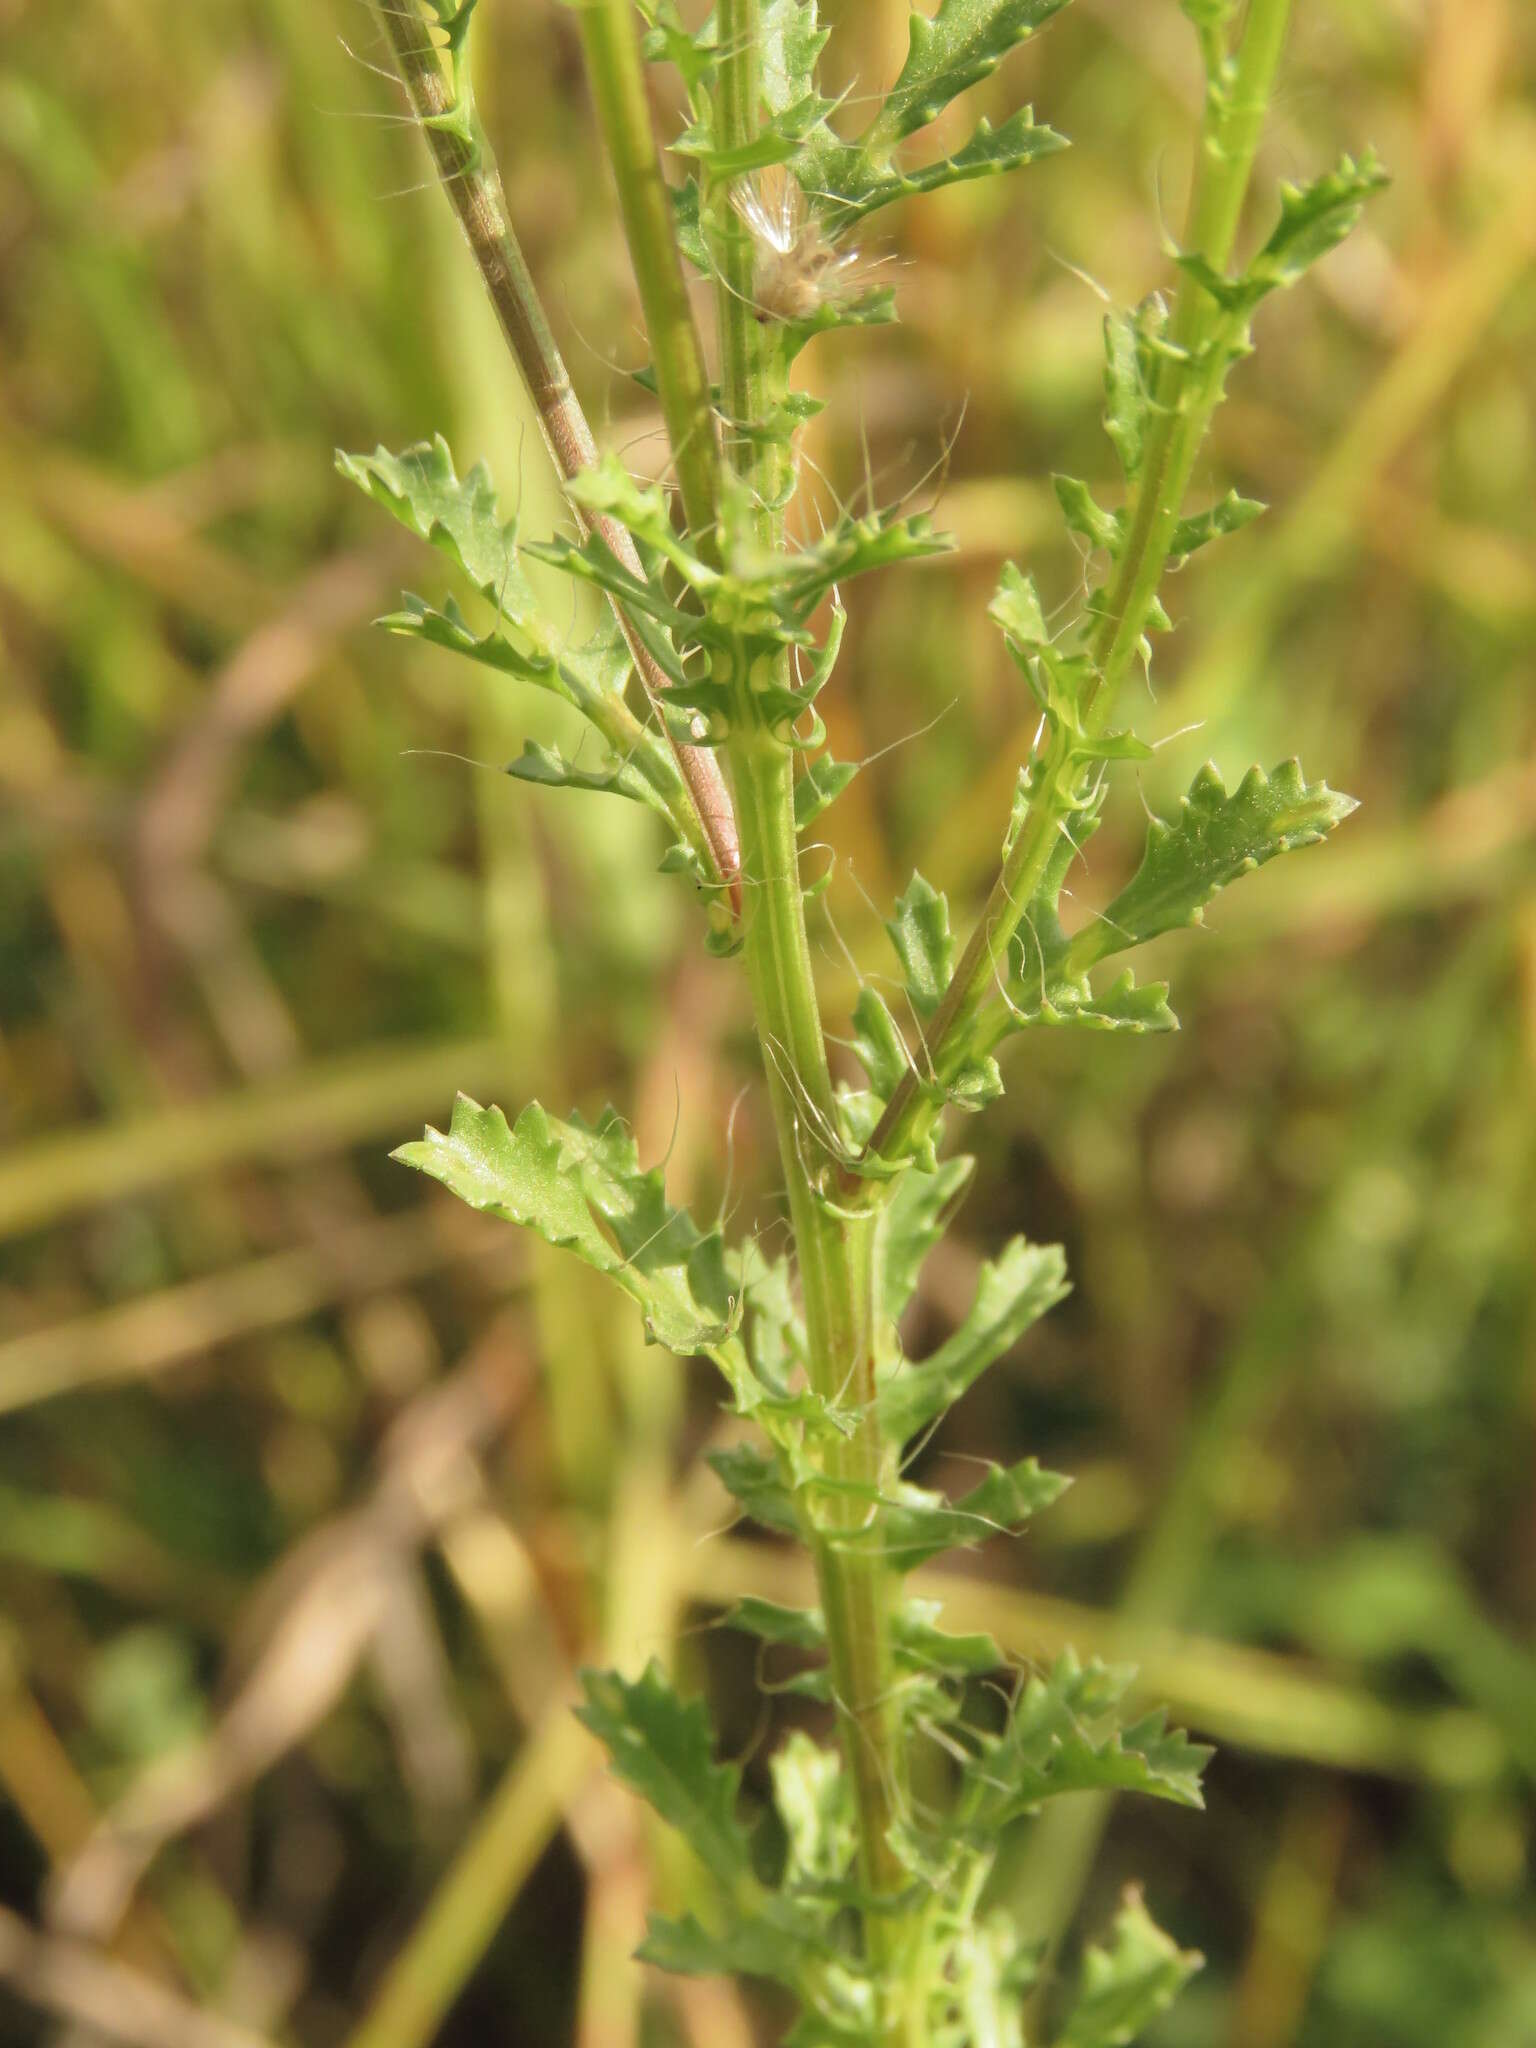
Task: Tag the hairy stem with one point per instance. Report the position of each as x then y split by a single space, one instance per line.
1187 393
444 106
837 1252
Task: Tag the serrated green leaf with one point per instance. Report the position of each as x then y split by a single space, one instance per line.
1228 516
1125 398
1214 838
1015 608
1126 1984
457 516
879 1044
1064 1735
580 1186
822 783
1315 218
993 1972
954 49
448 628
790 40
662 1748
746 1948
594 562
1013 1291
815 1803
973 1081
546 765
914 1220
798 1628
776 140
668 41
853 182
853 547
1056 997
922 1644
920 933
756 1480
1085 515
1123 1006
608 490
775 1328
872 309
1112 746
915 1524
688 225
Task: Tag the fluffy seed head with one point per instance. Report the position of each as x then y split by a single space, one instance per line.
796 269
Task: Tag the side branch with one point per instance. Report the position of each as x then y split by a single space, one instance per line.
1189 389
467 170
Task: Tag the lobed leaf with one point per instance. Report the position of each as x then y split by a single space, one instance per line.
853 181
924 943
608 489
661 1746
1314 219
1015 608
1013 1291
775 1329
790 40
1058 997
756 1479
1229 515
954 49
1128 1983
757 1947
668 41
1063 1735
815 1803
915 1524
1085 515
1214 838
593 561
796 1628
993 1971
922 1644
853 547
548 766
915 1218
821 784
878 1042
580 1186
448 628
457 516
1125 397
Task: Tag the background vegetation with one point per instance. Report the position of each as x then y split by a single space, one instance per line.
313 1492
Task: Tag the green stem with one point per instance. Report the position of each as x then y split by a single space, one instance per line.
838 1253
444 106
1187 393
623 112
1189 388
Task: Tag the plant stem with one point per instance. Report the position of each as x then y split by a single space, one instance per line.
838 1253
469 176
623 112
1187 393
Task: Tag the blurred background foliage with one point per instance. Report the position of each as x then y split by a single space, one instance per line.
313 1491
